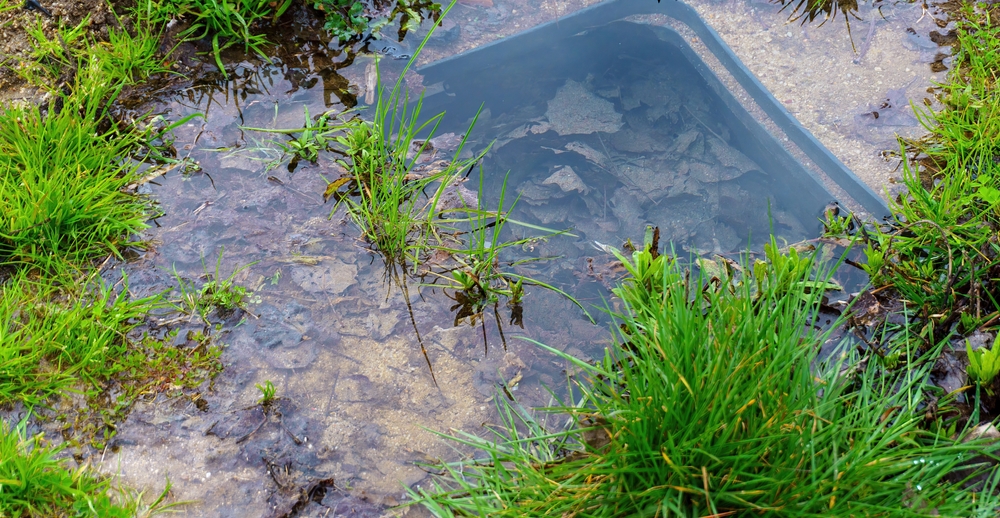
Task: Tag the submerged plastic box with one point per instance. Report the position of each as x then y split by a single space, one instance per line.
604 121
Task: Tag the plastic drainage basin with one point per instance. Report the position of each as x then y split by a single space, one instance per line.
606 125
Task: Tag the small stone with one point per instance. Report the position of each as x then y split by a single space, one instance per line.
983 431
567 180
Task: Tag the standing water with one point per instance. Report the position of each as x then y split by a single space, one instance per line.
601 133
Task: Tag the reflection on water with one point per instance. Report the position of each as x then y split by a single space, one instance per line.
808 11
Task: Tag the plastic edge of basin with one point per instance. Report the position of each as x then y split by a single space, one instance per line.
604 12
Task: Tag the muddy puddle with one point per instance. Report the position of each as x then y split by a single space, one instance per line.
584 140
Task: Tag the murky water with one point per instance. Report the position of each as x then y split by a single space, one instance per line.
609 131
358 401
602 133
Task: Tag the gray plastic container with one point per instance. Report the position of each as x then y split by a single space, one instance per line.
465 74
604 124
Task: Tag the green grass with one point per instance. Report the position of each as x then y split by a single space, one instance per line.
217 293
223 23
941 253
126 57
62 180
67 171
67 175
267 393
133 56
314 137
36 481
940 256
482 273
390 195
713 402
411 206
47 347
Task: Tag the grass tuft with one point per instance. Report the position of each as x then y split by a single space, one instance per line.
62 179
223 23
36 483
714 402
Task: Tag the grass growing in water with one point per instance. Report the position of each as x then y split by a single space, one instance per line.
314 137
385 184
479 277
411 205
46 348
216 293
714 403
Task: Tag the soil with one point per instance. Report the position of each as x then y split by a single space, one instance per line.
15 43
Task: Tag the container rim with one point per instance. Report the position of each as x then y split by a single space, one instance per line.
612 10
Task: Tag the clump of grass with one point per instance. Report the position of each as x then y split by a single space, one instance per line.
314 137
53 341
714 403
410 206
983 368
47 347
133 56
942 254
224 294
37 483
984 365
126 57
215 294
390 195
478 276
62 180
51 58
224 23
267 393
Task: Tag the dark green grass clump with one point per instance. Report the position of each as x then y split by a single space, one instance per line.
62 185
714 402
222 23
